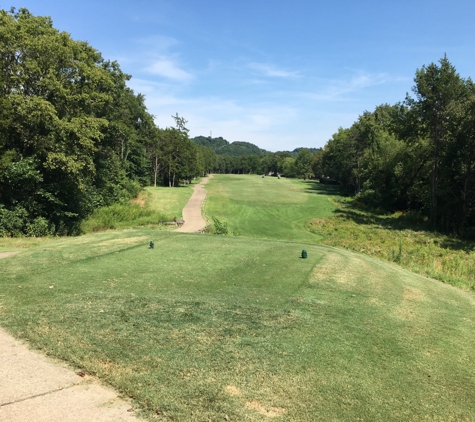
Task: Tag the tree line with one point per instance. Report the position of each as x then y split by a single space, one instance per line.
415 156
73 136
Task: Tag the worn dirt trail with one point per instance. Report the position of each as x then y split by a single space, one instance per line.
194 221
7 254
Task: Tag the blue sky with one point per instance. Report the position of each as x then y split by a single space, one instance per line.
279 74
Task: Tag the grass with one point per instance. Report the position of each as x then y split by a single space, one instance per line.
395 238
240 327
309 212
209 327
154 206
268 207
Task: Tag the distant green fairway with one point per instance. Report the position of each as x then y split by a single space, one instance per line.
208 327
267 207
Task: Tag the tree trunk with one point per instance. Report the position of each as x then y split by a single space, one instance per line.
155 171
435 180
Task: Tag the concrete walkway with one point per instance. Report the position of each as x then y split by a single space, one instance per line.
194 221
34 388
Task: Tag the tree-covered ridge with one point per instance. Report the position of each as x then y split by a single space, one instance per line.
235 149
296 151
416 156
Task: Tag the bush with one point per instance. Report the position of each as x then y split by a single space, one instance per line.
121 215
220 227
39 227
12 222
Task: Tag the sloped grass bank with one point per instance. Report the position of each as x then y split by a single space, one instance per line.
212 327
152 207
307 211
394 239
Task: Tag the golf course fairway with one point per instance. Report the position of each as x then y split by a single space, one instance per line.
241 328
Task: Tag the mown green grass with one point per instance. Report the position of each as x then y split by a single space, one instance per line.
267 207
209 327
309 212
241 328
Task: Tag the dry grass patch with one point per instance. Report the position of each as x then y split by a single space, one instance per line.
270 412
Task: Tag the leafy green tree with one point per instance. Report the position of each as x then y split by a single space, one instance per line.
437 88
289 167
66 115
303 164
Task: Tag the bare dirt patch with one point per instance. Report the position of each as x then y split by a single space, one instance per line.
232 390
7 254
270 412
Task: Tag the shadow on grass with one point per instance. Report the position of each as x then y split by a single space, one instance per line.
396 223
404 223
314 186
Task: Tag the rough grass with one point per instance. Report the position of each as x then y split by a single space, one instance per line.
228 328
395 239
152 207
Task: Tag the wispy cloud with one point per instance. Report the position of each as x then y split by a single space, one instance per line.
339 89
158 43
168 68
273 71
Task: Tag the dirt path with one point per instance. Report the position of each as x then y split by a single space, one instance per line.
194 221
7 254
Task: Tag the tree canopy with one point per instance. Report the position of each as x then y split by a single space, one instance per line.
417 155
73 136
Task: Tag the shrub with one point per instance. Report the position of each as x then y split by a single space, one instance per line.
39 227
220 227
12 222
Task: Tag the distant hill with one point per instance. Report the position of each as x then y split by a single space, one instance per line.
235 149
295 152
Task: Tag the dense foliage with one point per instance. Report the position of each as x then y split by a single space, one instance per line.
244 157
417 155
235 149
73 136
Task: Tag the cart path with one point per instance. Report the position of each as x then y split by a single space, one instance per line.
194 221
36 388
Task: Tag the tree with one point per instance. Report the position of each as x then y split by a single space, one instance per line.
303 164
68 116
437 89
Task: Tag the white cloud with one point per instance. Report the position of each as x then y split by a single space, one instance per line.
272 71
158 43
338 89
168 68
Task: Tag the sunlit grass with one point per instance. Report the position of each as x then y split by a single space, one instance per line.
241 328
392 239
309 212
154 206
268 207
215 327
